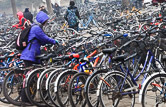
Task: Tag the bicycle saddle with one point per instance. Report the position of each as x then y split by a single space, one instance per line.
40 56
108 24
120 57
47 57
109 51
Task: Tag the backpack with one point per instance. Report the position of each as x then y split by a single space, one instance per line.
22 39
72 19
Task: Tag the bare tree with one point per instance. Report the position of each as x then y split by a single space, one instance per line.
13 3
49 6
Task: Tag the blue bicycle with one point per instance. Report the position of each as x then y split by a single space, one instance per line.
119 86
85 25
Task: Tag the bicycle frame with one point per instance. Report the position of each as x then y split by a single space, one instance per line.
148 65
90 19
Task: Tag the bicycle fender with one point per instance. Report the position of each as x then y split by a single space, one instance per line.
52 73
28 76
57 80
40 77
145 82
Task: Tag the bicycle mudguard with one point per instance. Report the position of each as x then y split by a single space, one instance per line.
145 82
28 76
57 80
40 77
52 73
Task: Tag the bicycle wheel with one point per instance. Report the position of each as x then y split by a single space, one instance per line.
50 84
112 90
62 86
153 95
31 89
76 88
42 87
2 77
90 88
12 87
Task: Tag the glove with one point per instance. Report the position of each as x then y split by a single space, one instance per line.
57 42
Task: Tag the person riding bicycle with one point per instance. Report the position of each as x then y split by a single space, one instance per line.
33 49
23 23
72 16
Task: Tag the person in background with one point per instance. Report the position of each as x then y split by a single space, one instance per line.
56 9
32 50
139 4
4 15
23 23
72 16
42 8
86 1
28 15
125 4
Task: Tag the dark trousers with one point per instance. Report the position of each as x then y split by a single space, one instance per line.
74 27
23 94
139 4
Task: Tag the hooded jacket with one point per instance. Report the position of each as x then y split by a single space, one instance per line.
41 38
22 21
28 15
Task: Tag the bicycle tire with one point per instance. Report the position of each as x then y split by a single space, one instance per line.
102 89
31 89
60 79
42 88
7 79
82 77
51 80
88 88
144 93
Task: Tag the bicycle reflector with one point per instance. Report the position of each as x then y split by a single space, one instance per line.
125 35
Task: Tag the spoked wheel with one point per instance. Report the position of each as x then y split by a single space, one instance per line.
76 90
90 89
153 94
12 87
2 97
112 91
62 87
31 90
50 82
43 92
